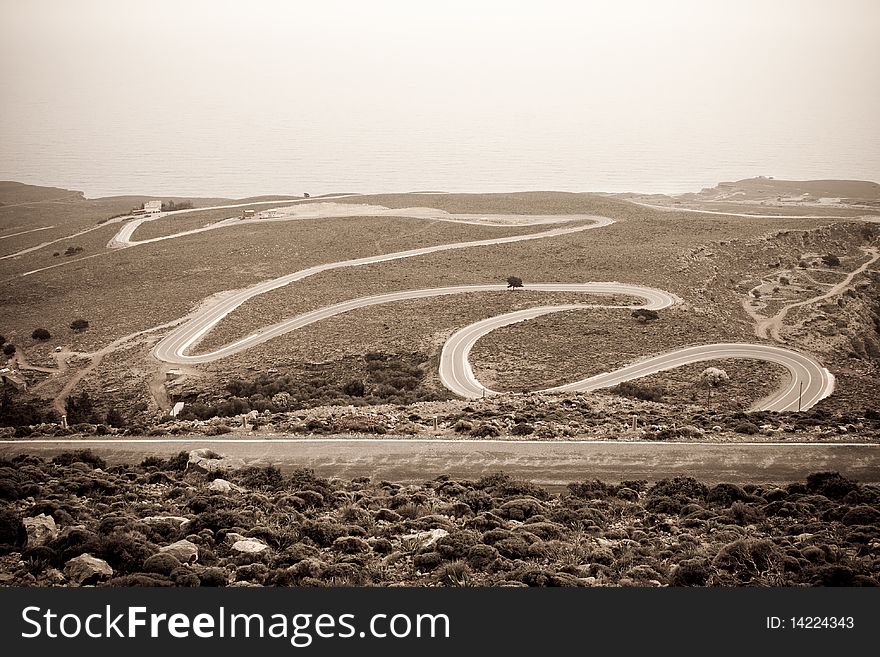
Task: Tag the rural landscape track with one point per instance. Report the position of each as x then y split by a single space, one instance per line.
548 463
809 381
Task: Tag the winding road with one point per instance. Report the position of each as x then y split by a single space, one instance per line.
809 382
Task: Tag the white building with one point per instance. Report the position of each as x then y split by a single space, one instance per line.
151 207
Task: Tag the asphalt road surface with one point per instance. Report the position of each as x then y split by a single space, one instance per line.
173 348
809 381
552 464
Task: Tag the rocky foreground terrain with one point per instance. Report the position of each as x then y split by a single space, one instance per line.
199 520
624 416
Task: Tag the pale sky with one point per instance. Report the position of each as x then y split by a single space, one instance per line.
98 72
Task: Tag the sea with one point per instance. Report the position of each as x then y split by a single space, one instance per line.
234 100
226 155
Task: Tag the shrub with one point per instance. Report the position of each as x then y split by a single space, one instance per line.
522 429
185 577
171 206
635 391
645 315
79 325
427 560
513 548
138 579
125 552
351 545
665 504
268 478
747 427
456 545
162 564
114 419
9 349
323 532
590 490
41 334
744 514
462 426
520 509
686 487
861 515
480 556
79 409
485 430
73 542
13 535
80 456
354 389
214 577
831 260
748 557
457 573
690 572
832 485
727 494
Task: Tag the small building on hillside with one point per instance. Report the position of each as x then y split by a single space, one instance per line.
152 207
9 377
247 214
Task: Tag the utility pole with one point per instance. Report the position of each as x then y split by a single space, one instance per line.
800 394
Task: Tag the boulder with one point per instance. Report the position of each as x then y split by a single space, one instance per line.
86 569
424 539
177 520
234 537
220 486
54 576
183 550
40 530
206 460
249 546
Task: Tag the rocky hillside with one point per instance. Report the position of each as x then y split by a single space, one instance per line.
195 520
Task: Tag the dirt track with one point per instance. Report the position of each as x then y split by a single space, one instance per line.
552 464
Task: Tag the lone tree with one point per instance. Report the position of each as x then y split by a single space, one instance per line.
79 325
713 377
41 334
514 282
9 349
831 260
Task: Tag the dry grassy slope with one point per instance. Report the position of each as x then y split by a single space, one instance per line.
522 203
564 347
755 207
846 335
750 381
644 247
136 288
759 188
169 225
842 332
13 193
133 289
386 235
